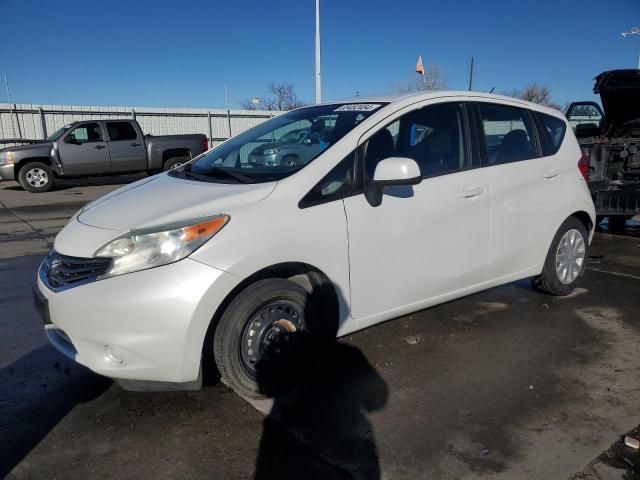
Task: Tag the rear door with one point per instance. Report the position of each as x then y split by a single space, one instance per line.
83 150
527 189
126 147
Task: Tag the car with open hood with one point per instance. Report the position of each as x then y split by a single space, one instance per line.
611 139
409 201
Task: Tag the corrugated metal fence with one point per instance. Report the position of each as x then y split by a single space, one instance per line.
21 123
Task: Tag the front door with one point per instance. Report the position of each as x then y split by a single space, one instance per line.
83 151
427 241
126 147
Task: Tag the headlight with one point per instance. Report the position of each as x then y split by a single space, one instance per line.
270 151
155 246
6 158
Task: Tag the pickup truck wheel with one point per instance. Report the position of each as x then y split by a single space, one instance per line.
264 340
174 162
566 260
36 177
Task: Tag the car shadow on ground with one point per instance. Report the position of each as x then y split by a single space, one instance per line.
36 392
322 394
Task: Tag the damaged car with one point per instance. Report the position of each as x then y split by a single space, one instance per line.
611 139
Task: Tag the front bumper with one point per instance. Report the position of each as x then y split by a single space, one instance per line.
7 172
148 325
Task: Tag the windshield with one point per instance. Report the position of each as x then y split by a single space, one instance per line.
57 134
278 147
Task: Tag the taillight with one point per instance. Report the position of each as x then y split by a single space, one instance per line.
205 144
583 165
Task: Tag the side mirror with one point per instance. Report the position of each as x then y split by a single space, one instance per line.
392 172
71 139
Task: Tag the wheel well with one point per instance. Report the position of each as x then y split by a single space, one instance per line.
310 278
585 219
175 152
24 161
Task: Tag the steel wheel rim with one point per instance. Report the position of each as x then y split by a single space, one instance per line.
268 333
176 165
570 256
36 177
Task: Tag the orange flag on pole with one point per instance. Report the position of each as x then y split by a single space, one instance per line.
419 66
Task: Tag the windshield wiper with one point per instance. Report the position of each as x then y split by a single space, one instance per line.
222 173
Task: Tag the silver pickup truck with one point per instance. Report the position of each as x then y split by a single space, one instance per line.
93 148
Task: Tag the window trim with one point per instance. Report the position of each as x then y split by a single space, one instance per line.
355 189
542 133
106 128
482 136
82 124
466 124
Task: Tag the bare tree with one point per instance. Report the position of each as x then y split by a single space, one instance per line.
280 96
433 79
535 93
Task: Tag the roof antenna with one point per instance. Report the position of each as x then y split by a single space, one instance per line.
492 89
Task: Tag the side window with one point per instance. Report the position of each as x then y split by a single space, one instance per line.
508 133
121 131
553 130
434 136
335 184
89 132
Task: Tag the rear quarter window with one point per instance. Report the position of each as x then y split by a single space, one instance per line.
552 134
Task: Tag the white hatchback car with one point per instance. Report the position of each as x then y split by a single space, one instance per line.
405 202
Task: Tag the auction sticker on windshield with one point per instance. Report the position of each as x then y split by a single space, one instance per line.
358 107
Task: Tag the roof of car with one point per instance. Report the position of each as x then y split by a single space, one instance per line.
418 96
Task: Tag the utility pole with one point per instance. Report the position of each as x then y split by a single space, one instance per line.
318 86
471 74
11 112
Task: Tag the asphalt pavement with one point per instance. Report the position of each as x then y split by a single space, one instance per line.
508 383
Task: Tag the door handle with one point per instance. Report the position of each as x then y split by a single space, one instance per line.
135 144
551 173
99 147
468 192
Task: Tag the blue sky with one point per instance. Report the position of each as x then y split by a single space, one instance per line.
181 53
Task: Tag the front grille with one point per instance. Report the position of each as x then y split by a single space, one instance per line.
61 271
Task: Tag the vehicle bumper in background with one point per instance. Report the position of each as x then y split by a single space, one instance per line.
147 325
7 173
617 202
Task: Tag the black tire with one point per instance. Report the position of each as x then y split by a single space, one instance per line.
252 363
36 177
174 162
549 281
291 161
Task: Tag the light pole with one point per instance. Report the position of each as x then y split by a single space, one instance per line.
318 87
633 31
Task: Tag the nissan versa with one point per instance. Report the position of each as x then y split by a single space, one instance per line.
402 203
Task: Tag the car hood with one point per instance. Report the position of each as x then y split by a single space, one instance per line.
45 146
619 91
165 199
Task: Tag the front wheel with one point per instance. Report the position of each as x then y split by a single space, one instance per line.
263 338
36 177
566 260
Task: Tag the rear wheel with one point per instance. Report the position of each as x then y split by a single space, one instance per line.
566 260
263 337
36 177
174 162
